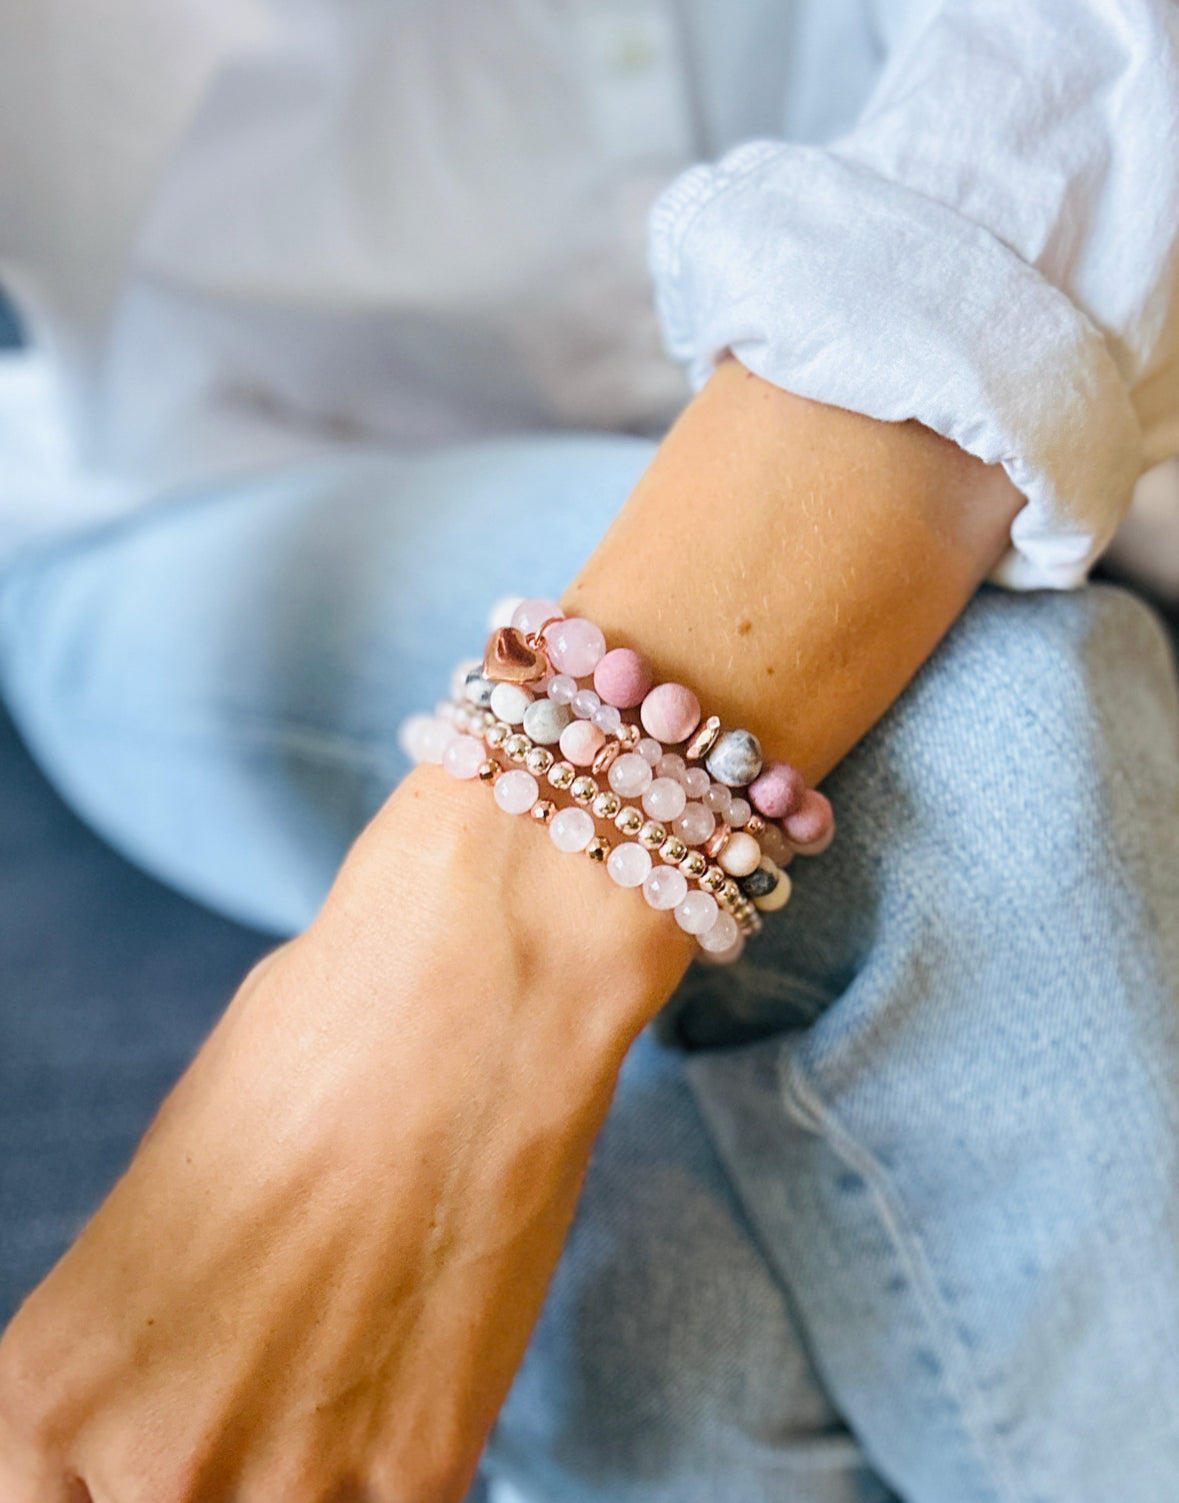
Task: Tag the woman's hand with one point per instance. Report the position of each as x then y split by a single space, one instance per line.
321 1270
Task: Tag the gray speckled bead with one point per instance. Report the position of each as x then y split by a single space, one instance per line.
477 688
757 884
735 759
544 721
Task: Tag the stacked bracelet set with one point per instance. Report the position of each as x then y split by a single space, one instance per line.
635 776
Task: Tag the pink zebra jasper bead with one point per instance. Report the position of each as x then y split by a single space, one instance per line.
623 678
670 713
575 646
812 821
778 791
581 741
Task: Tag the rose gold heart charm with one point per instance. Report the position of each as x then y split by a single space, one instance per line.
510 660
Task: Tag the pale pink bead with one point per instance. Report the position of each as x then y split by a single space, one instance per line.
629 864
723 957
670 713
581 741
718 798
739 812
562 689
430 739
695 824
650 750
412 734
575 646
816 847
531 615
665 800
665 887
585 704
777 790
571 829
697 912
811 821
671 765
741 854
630 775
464 757
609 719
515 791
721 935
623 678
696 782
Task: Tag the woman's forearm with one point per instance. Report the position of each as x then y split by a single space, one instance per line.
795 563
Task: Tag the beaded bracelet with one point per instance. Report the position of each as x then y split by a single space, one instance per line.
722 824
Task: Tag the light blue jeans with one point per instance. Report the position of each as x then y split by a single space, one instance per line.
896 1215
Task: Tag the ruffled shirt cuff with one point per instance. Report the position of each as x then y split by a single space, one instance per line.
839 285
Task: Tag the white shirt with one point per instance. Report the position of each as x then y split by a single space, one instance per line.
246 230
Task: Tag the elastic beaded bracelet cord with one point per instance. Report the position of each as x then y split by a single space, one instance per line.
714 826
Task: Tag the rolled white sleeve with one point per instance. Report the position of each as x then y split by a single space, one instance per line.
993 251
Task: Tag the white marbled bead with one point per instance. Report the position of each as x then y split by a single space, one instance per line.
510 702
544 721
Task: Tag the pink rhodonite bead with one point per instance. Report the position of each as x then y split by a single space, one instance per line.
623 678
778 790
575 646
670 713
581 741
531 615
812 821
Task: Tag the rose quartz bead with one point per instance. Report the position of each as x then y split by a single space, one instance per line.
464 757
721 935
723 957
609 719
575 646
811 821
670 713
777 790
531 615
739 812
562 689
696 782
515 791
665 887
623 678
585 704
630 775
695 824
665 800
650 750
571 829
581 741
741 855
718 798
629 864
697 912
671 765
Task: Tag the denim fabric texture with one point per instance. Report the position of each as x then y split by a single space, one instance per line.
890 1209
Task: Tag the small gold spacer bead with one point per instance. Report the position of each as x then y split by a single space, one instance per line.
543 810
713 879
607 804
583 790
628 820
673 850
598 849
497 734
561 774
518 746
694 865
652 835
756 824
539 760
730 891
488 772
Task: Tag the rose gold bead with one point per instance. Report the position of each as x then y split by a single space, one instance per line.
673 850
713 880
755 824
488 772
694 865
497 734
583 790
539 760
730 891
607 804
702 742
605 758
543 810
629 736
518 746
561 774
717 841
598 849
652 835
628 820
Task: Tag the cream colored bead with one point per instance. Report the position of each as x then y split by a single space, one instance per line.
741 854
779 896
